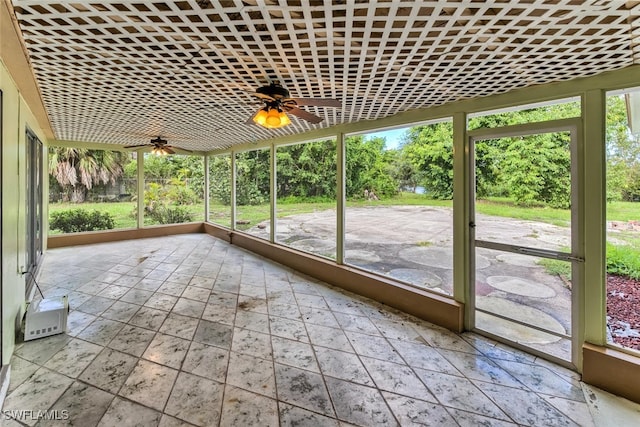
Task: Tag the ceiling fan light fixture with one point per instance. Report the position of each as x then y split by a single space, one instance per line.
159 151
261 117
271 117
278 105
284 119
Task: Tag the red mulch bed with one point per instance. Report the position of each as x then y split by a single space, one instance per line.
623 310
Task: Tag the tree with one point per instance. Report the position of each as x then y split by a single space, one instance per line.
429 149
530 169
404 171
368 167
188 169
537 169
220 178
307 170
77 170
252 177
623 154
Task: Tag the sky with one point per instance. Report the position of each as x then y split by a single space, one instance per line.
393 137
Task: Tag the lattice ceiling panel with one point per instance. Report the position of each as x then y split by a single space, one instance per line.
123 72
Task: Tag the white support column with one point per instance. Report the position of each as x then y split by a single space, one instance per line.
140 159
272 194
206 188
461 217
594 230
340 196
232 181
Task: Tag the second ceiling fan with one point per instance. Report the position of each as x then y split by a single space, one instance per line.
278 103
160 147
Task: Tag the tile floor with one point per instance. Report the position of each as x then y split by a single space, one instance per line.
189 330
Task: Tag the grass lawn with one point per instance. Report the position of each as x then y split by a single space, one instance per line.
123 212
504 207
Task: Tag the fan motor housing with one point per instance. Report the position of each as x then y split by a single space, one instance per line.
274 90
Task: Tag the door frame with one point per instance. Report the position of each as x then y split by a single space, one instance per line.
34 207
576 255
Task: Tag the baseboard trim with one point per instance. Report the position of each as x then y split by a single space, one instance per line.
611 370
91 237
439 309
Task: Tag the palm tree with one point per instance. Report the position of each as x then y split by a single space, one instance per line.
77 170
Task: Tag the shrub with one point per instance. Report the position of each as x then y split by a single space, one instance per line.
171 214
163 203
77 220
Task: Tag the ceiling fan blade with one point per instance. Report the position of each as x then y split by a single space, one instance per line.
305 115
137 146
316 102
264 96
180 149
169 150
227 106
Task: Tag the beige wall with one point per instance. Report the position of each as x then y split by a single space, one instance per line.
17 116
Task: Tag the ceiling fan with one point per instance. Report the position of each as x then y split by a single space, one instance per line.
278 103
160 147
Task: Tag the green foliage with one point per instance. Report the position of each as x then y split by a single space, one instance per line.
307 170
120 211
180 193
294 200
368 167
252 177
188 169
557 267
163 203
430 150
536 169
166 214
507 208
623 154
404 171
77 220
130 169
623 260
531 170
220 179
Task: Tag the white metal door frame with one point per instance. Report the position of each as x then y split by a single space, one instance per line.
576 254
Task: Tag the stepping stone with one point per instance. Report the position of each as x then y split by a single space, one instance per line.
519 260
520 286
416 277
520 312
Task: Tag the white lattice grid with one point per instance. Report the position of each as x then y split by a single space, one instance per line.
123 72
